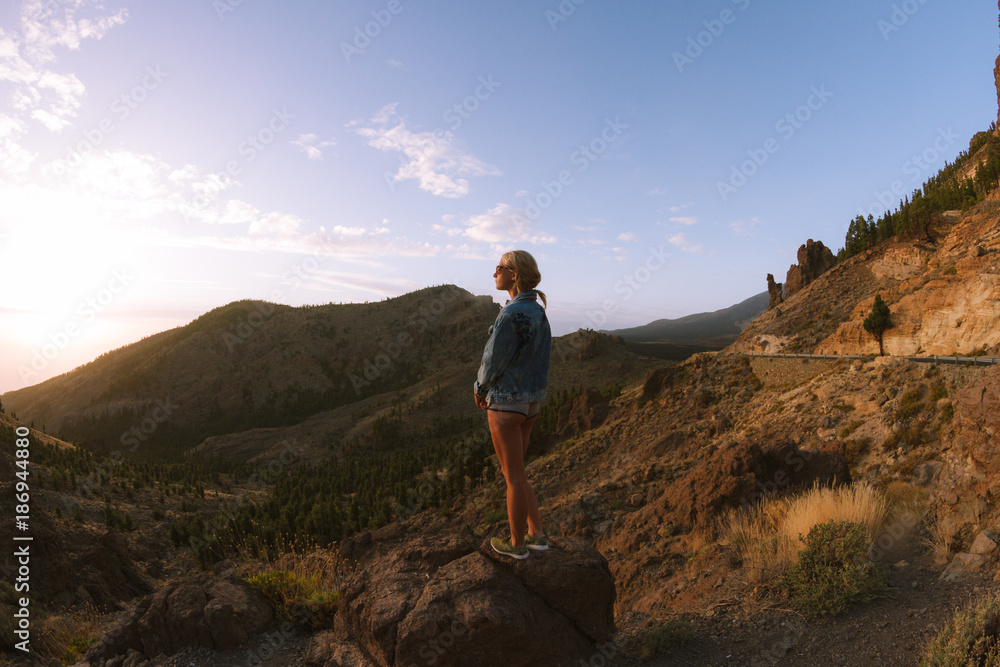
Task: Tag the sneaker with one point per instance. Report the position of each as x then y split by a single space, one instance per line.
536 543
507 549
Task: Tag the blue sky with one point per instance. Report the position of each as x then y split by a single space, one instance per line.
161 159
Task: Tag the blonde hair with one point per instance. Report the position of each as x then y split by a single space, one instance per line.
526 271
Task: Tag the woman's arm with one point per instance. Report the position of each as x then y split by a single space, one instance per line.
500 351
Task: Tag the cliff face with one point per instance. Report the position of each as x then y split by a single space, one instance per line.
815 259
944 297
946 300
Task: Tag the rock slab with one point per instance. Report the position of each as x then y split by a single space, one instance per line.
448 599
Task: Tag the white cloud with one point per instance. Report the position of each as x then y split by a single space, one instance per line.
688 220
49 97
313 148
684 244
745 228
275 224
657 192
431 158
626 236
502 224
681 207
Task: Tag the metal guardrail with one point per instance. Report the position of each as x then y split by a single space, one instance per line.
974 361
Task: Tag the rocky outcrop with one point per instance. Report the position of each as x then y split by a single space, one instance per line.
775 291
996 76
586 412
217 613
815 259
448 599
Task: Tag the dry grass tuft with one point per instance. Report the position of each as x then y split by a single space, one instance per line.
66 637
766 536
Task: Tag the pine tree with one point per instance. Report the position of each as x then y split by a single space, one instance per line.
878 320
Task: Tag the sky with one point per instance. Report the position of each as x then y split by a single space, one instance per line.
161 159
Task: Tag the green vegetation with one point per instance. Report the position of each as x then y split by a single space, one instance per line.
657 640
911 404
878 320
293 596
947 190
363 487
833 571
969 640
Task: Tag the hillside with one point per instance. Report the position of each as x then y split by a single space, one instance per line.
940 276
254 364
685 502
678 339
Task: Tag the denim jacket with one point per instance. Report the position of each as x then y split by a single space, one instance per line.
515 366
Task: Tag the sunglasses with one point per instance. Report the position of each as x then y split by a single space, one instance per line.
501 266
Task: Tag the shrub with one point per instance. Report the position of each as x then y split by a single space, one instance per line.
766 537
969 639
291 594
911 403
659 639
833 571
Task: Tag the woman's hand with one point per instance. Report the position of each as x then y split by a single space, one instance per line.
480 400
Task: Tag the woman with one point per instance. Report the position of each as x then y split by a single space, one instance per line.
512 380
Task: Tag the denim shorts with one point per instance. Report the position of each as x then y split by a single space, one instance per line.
529 410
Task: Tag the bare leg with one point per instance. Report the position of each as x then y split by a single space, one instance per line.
534 518
508 430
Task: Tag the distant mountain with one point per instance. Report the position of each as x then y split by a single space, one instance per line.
244 378
680 338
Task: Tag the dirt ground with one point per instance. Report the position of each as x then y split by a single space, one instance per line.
891 630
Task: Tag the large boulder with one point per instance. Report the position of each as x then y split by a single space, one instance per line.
448 599
815 259
218 613
775 291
